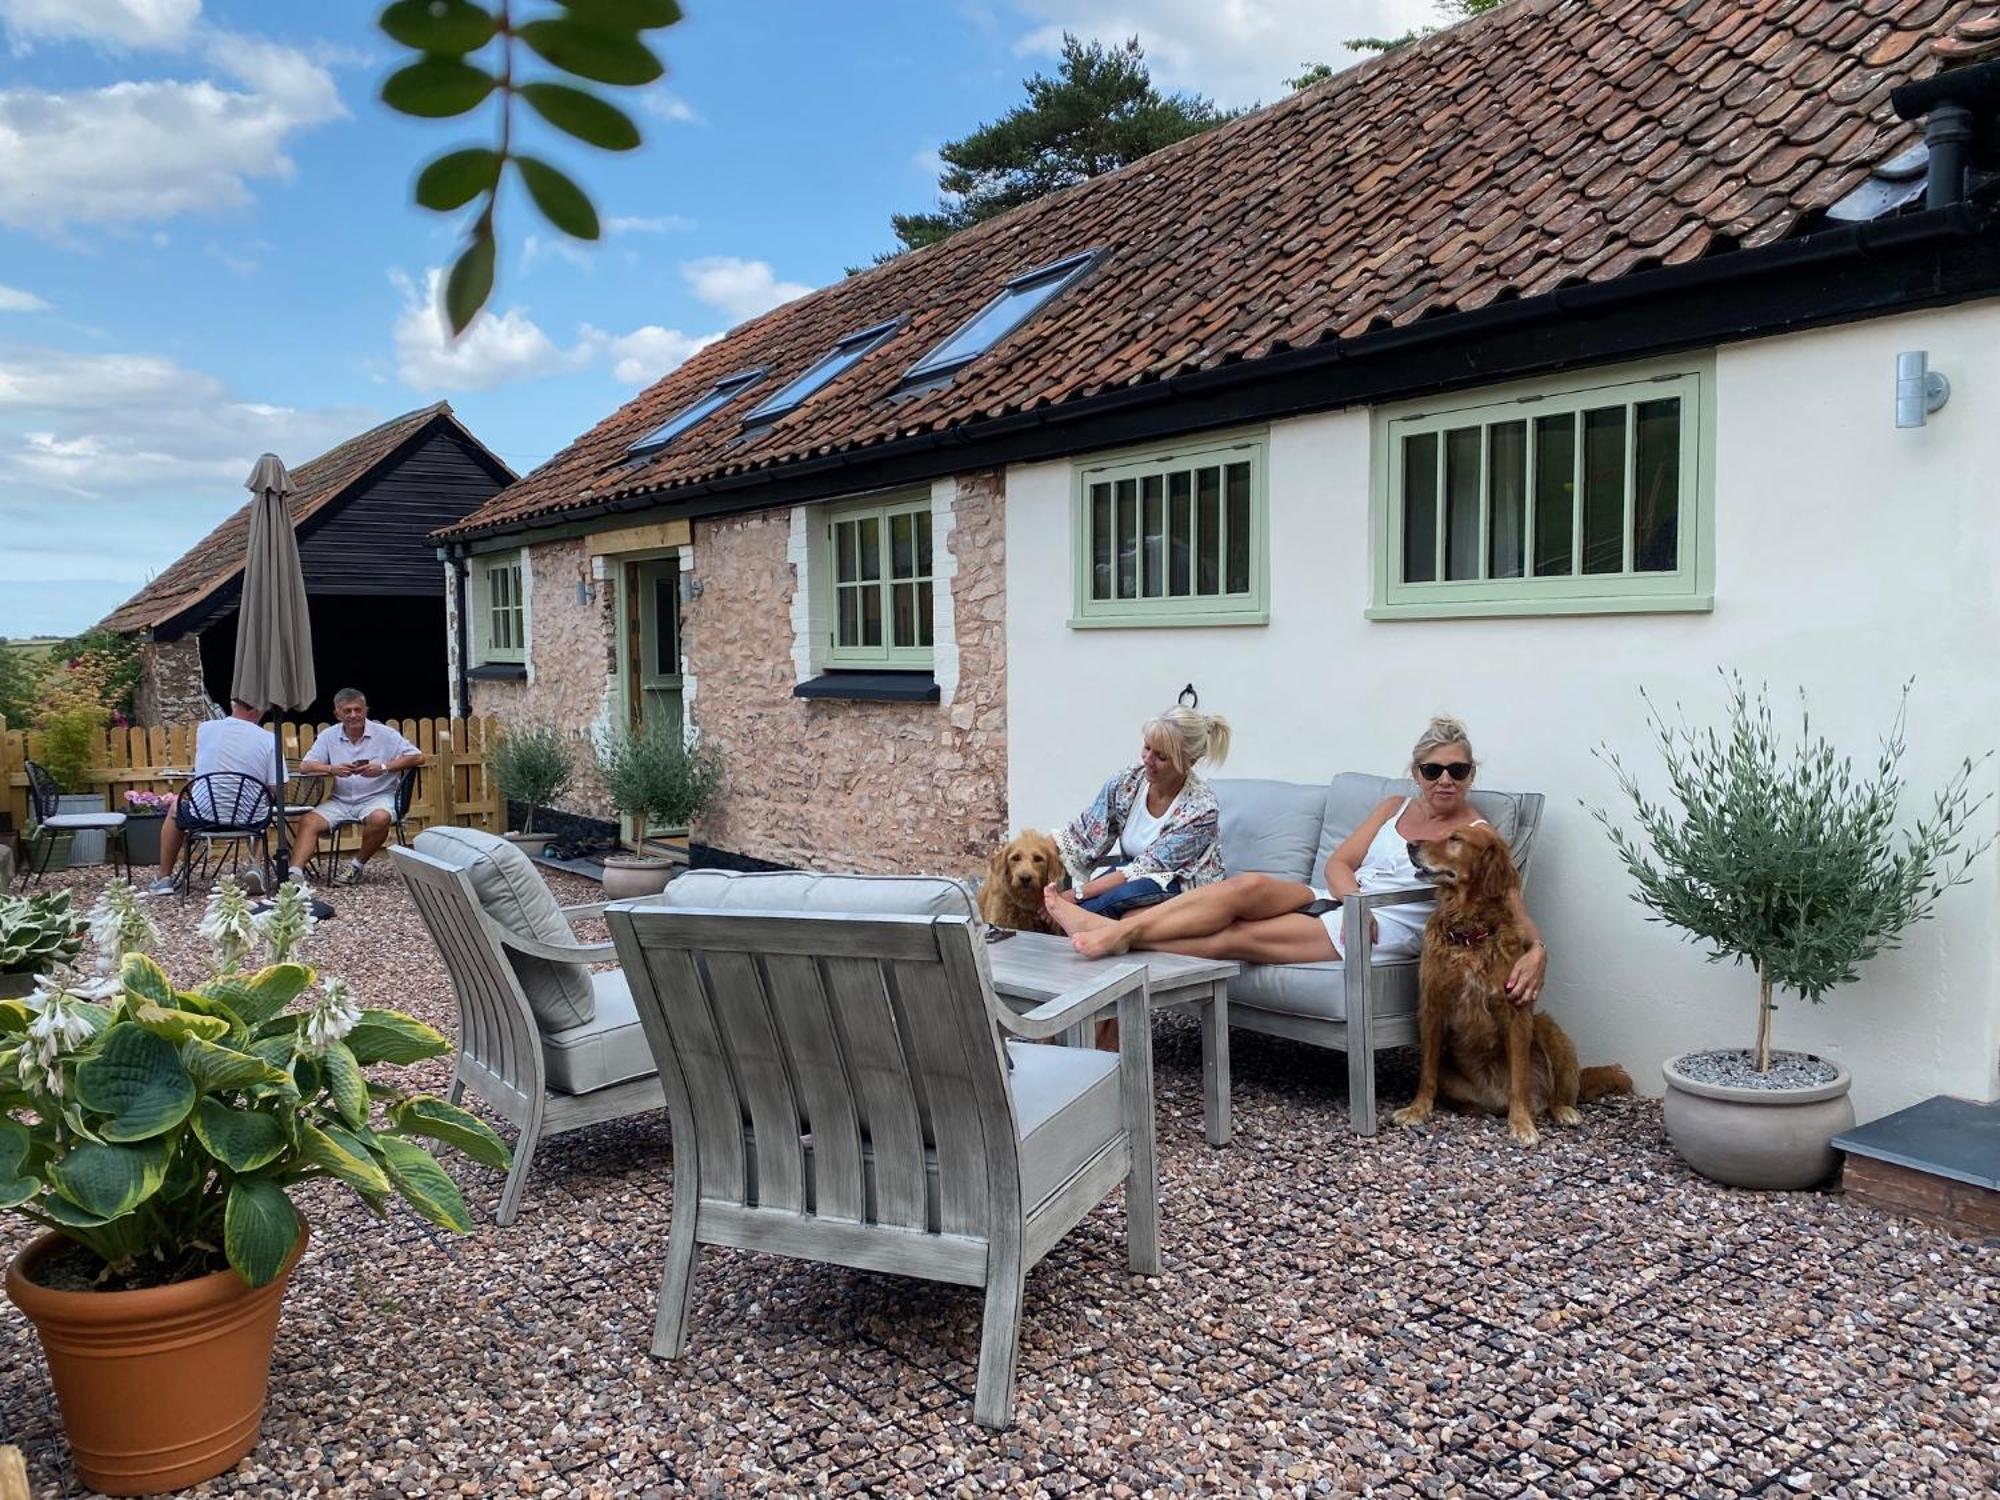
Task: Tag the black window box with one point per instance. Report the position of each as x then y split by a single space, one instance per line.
500 671
872 687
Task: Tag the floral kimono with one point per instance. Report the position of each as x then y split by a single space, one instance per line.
1188 847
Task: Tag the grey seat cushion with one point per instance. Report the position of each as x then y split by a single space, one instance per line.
609 1048
802 890
1270 827
511 891
1319 990
84 820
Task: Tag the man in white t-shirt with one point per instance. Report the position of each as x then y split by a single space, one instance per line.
365 760
238 743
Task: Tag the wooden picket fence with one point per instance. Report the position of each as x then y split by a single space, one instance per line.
452 785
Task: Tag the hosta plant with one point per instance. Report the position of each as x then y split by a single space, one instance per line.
38 933
167 1129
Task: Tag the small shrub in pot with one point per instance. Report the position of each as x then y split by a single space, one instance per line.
659 777
532 765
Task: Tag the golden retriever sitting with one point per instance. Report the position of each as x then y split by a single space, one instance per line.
1015 878
1479 1049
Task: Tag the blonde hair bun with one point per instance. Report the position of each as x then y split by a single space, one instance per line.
1185 735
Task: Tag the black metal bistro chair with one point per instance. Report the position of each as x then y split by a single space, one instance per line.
303 792
218 814
406 791
44 801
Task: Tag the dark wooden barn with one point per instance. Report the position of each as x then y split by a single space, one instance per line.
374 586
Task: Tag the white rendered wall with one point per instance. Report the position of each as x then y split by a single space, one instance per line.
1849 556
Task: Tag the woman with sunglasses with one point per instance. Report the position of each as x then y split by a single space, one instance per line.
1264 919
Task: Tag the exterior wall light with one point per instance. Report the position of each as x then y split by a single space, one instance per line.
1920 390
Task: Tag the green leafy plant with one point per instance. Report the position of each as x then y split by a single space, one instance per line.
72 740
533 767
468 54
1779 854
658 777
165 1129
38 933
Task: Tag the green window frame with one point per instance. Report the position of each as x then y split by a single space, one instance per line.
1175 537
501 610
879 574
1587 496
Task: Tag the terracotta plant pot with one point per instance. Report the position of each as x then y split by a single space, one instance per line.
159 1388
628 875
1768 1139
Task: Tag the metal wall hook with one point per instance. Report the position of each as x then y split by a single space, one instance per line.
1189 698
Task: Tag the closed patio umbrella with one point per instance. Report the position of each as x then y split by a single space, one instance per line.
274 664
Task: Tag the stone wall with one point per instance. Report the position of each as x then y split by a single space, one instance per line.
572 677
839 785
170 688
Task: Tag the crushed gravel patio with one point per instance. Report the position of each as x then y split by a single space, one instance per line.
1425 1313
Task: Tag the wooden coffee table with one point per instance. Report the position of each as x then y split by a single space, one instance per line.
1033 966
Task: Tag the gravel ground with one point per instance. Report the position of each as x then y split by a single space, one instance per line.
1428 1313
1738 1068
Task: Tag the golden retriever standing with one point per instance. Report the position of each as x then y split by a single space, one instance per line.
1017 874
1478 1048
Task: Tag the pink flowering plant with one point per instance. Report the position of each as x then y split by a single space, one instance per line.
166 1129
143 802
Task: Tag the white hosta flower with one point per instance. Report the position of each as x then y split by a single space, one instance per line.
59 1028
228 925
120 924
287 922
334 1013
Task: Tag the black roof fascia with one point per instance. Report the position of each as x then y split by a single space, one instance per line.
1926 259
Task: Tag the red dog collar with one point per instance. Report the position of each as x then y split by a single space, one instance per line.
1467 937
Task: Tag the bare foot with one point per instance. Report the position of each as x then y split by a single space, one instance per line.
1064 911
1091 935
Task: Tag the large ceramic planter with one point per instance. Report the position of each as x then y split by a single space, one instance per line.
142 839
160 1388
529 844
1768 1139
628 875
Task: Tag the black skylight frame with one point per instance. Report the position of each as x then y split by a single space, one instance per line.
848 351
1034 289
695 412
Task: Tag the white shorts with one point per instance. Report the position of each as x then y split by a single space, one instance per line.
1401 937
338 810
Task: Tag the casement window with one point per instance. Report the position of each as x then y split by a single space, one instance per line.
1590 495
499 608
1173 538
878 572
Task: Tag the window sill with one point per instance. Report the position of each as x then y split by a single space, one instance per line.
1163 621
499 671
1634 604
871 687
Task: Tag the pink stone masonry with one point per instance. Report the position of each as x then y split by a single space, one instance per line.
830 785
170 689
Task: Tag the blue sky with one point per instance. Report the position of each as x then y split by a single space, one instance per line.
207 249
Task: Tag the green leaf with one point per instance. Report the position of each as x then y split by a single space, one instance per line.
175 1026
451 26
470 282
259 1228
110 1181
561 201
142 977
335 1151
606 54
456 178
241 1139
583 115
392 1037
436 88
427 1115
256 998
15 1017
630 15
70 1216
346 1083
215 1069
424 1184
16 1186
275 1050
137 1078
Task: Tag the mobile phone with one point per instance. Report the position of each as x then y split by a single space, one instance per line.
998 934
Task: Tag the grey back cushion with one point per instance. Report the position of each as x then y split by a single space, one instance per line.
801 890
1270 827
1352 796
512 892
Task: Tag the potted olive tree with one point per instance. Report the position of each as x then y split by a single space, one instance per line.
157 1135
659 778
1781 855
532 766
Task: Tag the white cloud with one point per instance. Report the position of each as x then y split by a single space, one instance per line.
645 354
136 151
499 346
740 288
665 104
13 299
662 224
120 23
1237 52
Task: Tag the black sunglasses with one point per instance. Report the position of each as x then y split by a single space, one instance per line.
1457 770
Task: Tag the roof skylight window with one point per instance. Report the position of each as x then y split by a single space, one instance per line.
1018 301
719 395
845 354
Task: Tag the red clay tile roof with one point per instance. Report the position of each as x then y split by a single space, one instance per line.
218 557
1549 141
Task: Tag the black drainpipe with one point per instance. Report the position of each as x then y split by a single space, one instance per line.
1951 104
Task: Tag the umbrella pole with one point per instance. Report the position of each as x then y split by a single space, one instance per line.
281 867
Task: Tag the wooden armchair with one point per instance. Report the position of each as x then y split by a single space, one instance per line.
841 1093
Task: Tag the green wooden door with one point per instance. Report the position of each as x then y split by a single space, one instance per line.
656 644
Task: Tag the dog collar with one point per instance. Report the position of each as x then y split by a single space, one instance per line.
1467 937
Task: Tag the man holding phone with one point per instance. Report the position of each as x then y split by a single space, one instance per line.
365 760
